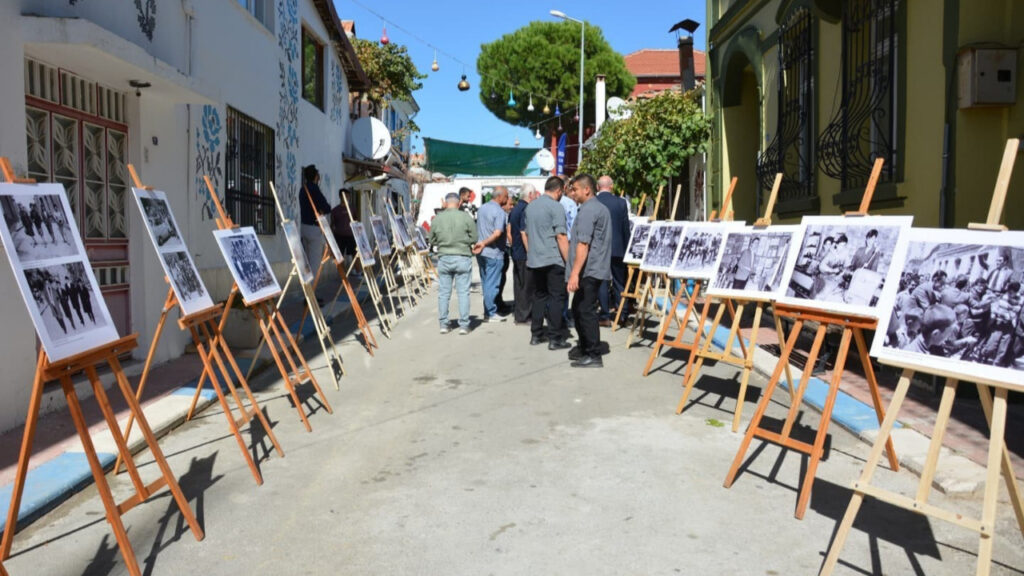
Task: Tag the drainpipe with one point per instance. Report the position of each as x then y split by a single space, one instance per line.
190 15
599 89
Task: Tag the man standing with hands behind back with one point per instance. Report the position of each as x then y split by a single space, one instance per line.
490 224
618 209
590 258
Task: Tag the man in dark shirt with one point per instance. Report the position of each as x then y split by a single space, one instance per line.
522 287
590 258
618 209
546 251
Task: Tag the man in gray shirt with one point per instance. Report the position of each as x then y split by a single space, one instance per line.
546 251
490 224
590 261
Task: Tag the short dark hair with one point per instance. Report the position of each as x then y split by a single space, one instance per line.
586 180
1013 286
553 183
309 173
872 233
937 317
939 275
463 191
842 239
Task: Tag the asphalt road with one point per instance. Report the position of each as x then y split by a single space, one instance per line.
480 454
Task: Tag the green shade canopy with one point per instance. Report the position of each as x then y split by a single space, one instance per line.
475 160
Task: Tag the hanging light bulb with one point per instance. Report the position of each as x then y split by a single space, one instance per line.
516 143
494 95
384 37
530 107
558 112
576 118
537 135
511 100
559 120
547 109
463 84
434 66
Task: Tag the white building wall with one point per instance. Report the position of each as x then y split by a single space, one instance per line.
204 57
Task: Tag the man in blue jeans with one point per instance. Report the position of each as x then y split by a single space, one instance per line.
490 225
453 235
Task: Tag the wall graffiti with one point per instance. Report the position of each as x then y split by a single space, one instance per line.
146 16
208 135
287 129
337 92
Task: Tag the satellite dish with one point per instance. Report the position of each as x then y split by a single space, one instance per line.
371 138
545 160
617 109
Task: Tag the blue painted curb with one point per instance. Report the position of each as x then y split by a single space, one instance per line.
49 484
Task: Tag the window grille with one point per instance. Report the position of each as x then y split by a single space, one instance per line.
249 167
792 150
865 126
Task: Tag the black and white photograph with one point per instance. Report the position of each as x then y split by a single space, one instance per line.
39 226
402 239
248 263
637 241
957 306
363 244
57 283
410 227
188 286
332 242
752 262
698 250
380 234
843 262
159 219
662 246
291 234
421 240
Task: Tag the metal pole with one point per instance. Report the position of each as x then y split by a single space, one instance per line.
579 152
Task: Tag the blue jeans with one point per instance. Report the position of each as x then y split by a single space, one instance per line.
457 270
490 279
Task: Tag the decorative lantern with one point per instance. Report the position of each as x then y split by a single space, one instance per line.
384 37
511 100
434 66
530 107
463 84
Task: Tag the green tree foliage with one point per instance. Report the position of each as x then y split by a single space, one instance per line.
391 71
643 151
543 58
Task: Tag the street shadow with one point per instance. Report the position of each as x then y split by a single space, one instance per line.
800 432
720 390
194 483
259 441
105 559
670 356
881 522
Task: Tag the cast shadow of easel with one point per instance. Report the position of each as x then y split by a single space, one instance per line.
880 522
671 356
722 389
801 432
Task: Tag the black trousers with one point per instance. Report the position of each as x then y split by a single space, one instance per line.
584 311
613 288
522 291
549 298
499 300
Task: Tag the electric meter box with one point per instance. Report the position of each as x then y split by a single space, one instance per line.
988 77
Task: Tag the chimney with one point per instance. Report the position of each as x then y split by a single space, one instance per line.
686 62
599 89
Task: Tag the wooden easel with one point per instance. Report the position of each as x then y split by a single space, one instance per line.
212 349
746 361
47 371
323 330
276 334
404 259
995 413
631 290
853 328
651 284
369 279
691 299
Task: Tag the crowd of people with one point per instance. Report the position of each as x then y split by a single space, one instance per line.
550 259
977 318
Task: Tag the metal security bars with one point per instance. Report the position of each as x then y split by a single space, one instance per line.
792 150
865 126
249 167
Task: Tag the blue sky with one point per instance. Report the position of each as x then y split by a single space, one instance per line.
458 28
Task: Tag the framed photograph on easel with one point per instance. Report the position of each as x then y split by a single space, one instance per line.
753 261
380 234
52 270
248 263
363 244
291 234
641 232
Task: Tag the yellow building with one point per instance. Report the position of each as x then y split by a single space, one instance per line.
817 89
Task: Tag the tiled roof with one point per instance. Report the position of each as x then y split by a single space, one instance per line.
657 62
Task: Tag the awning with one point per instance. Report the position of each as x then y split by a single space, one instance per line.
474 160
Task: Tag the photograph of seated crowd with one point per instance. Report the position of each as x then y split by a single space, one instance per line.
184 276
961 301
662 246
843 263
638 241
247 258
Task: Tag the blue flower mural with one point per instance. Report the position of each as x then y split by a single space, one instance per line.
208 156
287 172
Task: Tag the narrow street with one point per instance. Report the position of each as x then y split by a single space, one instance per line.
480 454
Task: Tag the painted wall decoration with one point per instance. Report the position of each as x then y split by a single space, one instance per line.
287 173
337 92
146 12
209 136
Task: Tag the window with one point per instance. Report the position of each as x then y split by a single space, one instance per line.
791 152
866 125
249 167
312 70
262 10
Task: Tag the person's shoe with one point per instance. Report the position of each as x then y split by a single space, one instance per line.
606 323
463 331
558 345
496 318
538 340
575 353
588 362
445 330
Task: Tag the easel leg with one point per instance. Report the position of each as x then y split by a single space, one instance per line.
985 394
696 359
876 397
781 336
997 431
748 366
801 389
305 367
285 375
661 333
23 458
846 524
622 300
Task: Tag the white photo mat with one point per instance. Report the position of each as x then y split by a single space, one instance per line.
175 258
363 244
401 234
54 276
294 239
698 250
662 245
380 234
826 274
775 247
974 331
332 242
639 234
248 263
